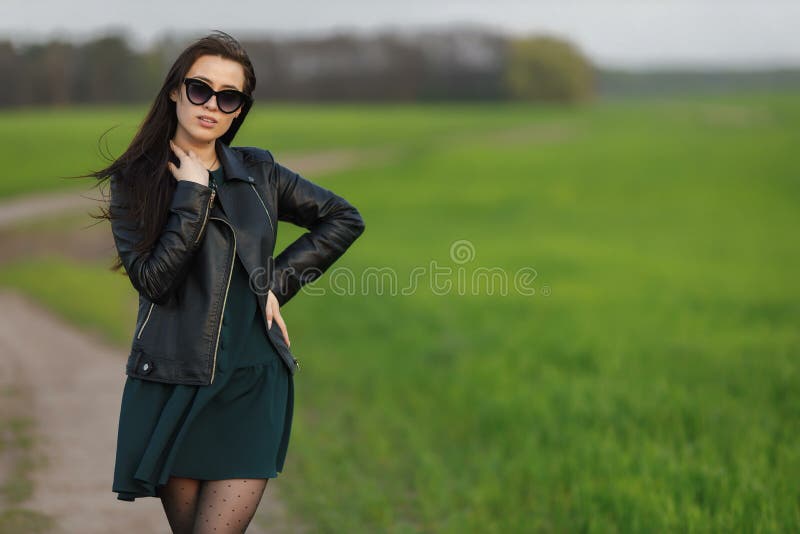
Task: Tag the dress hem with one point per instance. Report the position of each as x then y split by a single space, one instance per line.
131 496
274 474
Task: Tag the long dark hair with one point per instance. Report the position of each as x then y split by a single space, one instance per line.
142 169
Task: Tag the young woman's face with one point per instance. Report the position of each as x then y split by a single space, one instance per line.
220 73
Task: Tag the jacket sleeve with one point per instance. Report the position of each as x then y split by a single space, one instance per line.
157 273
333 224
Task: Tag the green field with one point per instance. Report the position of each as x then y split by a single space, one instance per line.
652 383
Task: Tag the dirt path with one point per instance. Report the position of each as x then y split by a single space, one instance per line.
75 380
76 383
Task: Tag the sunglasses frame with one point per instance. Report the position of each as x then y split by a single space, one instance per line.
245 98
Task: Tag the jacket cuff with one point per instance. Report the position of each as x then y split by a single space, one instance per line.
190 194
280 296
190 201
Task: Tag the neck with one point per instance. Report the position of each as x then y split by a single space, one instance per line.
205 150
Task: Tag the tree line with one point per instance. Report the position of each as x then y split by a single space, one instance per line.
423 66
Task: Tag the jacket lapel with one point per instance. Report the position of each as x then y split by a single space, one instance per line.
243 210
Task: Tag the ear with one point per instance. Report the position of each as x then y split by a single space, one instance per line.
173 95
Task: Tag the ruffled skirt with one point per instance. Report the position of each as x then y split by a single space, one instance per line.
237 427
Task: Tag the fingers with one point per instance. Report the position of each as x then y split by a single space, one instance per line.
282 325
191 167
274 313
181 155
175 148
181 152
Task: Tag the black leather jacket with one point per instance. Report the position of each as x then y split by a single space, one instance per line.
183 281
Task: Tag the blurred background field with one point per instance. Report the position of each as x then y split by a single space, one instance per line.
650 383
637 161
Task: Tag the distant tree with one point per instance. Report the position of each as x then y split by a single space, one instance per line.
548 68
107 71
10 89
57 71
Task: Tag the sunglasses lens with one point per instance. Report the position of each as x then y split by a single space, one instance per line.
198 93
229 101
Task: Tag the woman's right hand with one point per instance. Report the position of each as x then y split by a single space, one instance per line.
191 168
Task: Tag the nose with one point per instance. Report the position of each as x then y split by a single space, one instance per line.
208 104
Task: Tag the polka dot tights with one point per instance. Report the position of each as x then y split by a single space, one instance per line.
211 506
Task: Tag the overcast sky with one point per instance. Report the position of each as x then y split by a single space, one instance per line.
613 33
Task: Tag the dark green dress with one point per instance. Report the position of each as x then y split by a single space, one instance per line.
236 427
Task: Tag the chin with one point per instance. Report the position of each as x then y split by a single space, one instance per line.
205 135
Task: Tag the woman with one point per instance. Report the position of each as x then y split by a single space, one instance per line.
207 404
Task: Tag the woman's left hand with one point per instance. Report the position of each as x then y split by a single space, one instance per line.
274 312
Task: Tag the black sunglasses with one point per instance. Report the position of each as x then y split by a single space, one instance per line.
228 100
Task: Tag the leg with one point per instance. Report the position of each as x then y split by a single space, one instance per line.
179 497
228 506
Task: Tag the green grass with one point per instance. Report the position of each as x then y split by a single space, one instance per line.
16 441
45 155
18 460
22 520
650 384
88 294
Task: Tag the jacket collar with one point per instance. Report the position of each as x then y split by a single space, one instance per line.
233 162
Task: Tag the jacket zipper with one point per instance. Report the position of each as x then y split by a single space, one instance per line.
225 300
208 210
141 329
263 206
